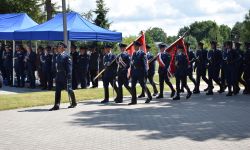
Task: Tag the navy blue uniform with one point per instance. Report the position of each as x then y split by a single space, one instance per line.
30 60
20 67
214 63
246 76
8 65
224 68
74 56
83 66
109 75
240 66
138 74
2 68
163 73
191 57
181 72
231 71
46 60
123 66
63 78
94 68
200 65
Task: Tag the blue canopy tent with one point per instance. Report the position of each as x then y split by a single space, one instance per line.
12 22
78 29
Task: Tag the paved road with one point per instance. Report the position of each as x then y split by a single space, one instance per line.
201 123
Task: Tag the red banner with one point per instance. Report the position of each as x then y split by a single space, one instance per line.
130 49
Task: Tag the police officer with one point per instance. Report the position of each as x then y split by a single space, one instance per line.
191 57
30 60
123 62
74 55
214 63
2 68
8 64
20 66
47 68
83 65
240 66
139 72
63 77
151 71
200 66
181 65
94 66
110 72
232 68
55 54
39 55
164 61
246 61
224 67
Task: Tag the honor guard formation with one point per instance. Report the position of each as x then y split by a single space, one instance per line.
228 67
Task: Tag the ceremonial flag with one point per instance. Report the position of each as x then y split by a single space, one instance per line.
130 49
172 50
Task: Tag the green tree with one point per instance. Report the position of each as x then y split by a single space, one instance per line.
171 39
101 15
225 32
157 34
245 32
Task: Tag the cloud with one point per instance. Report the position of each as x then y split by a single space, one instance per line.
132 16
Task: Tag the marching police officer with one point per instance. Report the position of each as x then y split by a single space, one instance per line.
191 58
240 66
63 77
94 66
30 60
83 65
181 65
231 68
151 72
74 55
214 63
164 61
8 64
200 66
46 61
246 75
19 66
123 62
110 72
224 67
139 72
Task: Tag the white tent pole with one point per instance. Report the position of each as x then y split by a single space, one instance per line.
13 71
36 47
5 42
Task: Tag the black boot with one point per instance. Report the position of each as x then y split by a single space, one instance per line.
106 95
172 93
73 100
134 98
177 97
160 96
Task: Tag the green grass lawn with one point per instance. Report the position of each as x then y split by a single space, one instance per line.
22 100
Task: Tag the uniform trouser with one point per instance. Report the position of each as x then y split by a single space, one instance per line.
246 77
181 80
32 78
59 87
122 80
223 76
74 79
231 78
142 83
150 78
164 77
200 75
41 77
106 82
20 77
240 80
48 80
3 71
9 76
83 79
213 76
93 74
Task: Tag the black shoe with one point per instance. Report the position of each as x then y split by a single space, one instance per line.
210 93
196 92
54 108
155 94
245 92
159 96
176 98
188 95
206 89
105 101
132 103
172 93
141 96
119 101
182 91
221 91
94 87
148 100
229 94
72 106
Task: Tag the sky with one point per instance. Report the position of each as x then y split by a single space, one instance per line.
132 16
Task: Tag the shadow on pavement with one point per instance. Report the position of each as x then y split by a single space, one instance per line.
200 118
